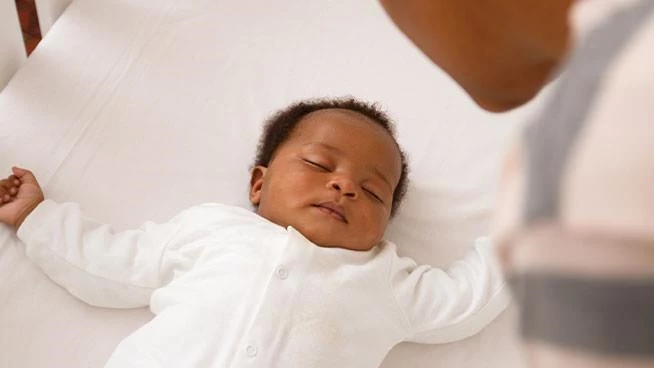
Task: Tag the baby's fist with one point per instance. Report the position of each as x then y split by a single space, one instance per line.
20 193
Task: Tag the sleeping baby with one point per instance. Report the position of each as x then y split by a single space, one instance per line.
303 280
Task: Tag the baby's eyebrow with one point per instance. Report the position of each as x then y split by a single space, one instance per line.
382 176
324 145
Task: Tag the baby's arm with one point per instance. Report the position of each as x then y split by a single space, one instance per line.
443 306
89 259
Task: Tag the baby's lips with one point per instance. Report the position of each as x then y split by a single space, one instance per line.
337 209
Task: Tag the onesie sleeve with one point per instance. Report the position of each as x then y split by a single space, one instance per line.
94 263
441 306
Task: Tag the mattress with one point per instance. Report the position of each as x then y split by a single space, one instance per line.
138 109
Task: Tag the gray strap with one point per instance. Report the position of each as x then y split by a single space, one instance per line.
595 315
550 139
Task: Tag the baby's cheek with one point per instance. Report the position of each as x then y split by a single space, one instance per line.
378 228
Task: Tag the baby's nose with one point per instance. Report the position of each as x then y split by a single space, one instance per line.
345 186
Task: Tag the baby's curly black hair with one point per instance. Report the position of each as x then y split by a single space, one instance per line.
280 126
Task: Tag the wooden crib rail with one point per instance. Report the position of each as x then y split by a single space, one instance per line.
12 49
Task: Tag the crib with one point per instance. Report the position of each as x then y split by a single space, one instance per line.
138 109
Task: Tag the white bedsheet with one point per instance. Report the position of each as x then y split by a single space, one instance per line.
138 109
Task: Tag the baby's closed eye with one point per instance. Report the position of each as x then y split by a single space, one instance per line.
373 194
317 165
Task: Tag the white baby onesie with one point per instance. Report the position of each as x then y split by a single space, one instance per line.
231 289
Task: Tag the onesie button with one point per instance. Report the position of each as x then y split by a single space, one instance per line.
282 273
251 351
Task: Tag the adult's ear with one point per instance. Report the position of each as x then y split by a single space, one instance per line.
256 183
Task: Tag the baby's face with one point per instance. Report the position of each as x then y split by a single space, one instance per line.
332 179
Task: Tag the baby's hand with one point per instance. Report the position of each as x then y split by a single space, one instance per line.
20 193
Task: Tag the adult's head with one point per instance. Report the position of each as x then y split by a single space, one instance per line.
502 52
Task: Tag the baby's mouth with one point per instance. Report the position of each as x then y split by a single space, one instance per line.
332 209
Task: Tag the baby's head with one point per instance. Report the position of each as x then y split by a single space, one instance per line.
331 169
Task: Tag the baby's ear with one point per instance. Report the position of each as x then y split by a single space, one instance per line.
256 183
